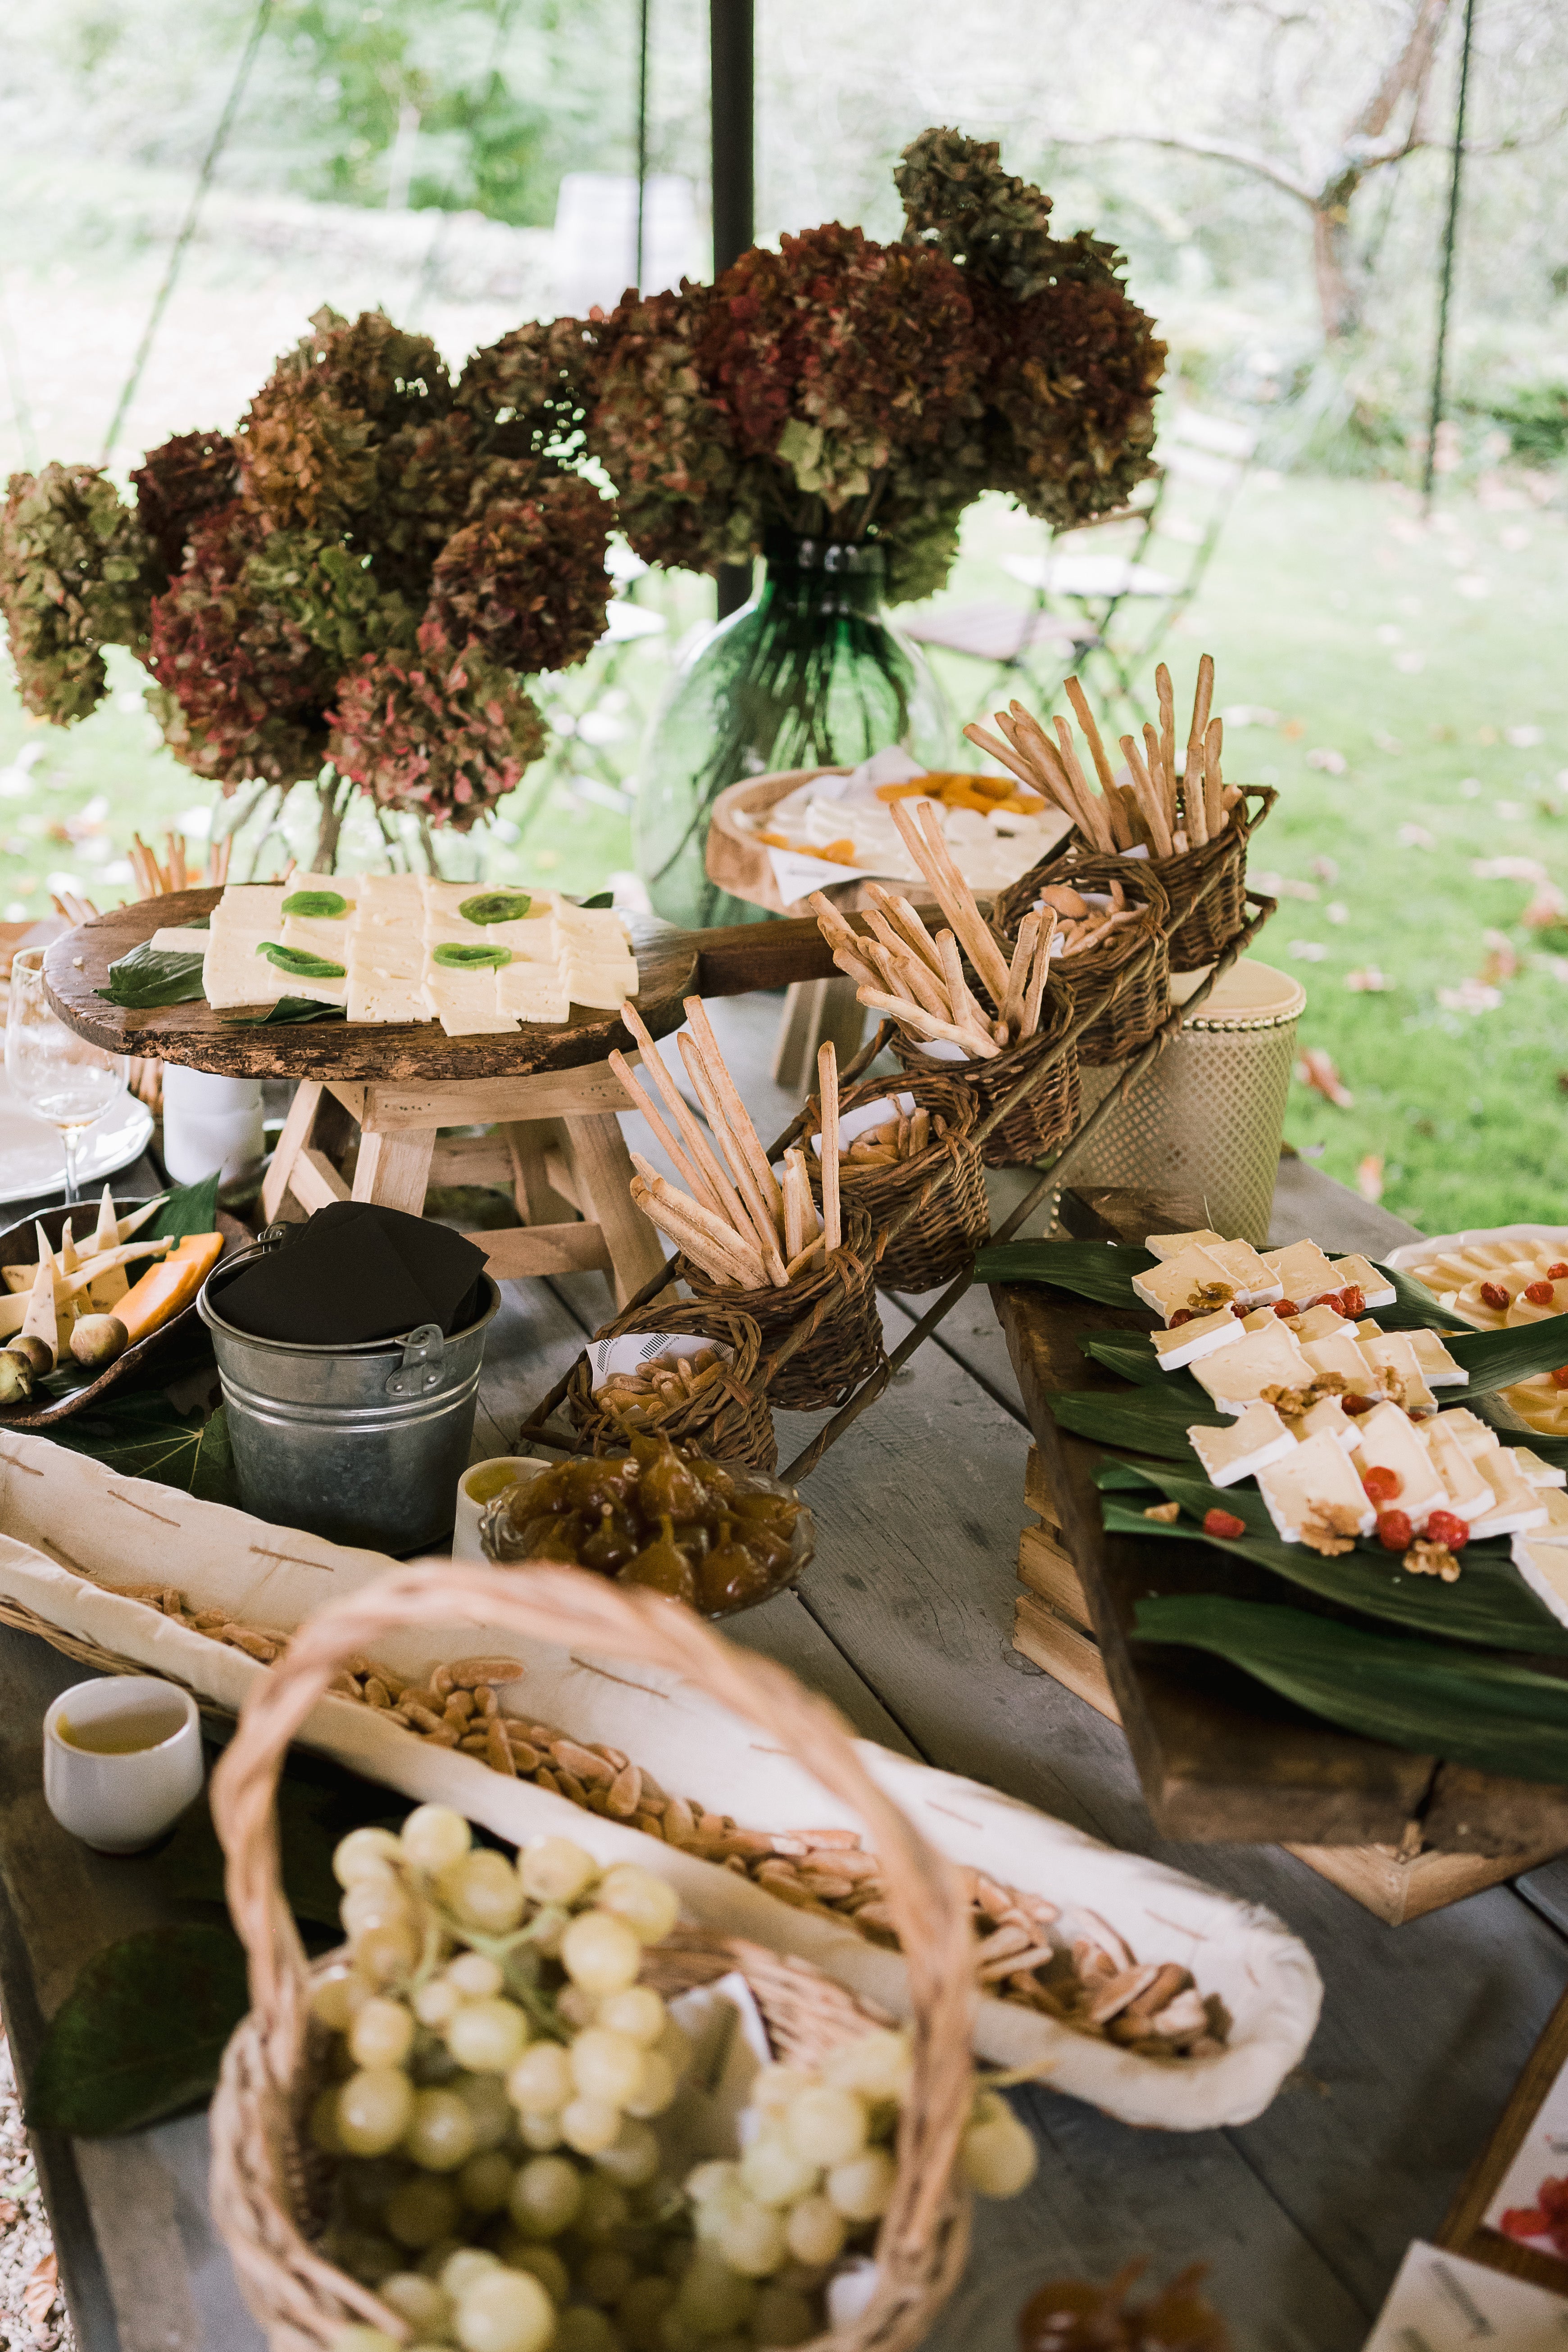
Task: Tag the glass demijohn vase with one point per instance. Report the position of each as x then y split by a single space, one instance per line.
811 673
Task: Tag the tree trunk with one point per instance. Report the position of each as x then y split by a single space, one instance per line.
1339 295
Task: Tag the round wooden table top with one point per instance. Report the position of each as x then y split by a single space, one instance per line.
77 966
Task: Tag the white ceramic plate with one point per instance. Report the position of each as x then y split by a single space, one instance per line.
32 1162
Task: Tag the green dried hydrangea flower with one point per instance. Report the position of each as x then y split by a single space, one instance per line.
958 199
76 572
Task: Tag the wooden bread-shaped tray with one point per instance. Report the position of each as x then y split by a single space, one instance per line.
19 1246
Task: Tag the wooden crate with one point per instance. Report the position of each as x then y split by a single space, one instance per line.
1052 1628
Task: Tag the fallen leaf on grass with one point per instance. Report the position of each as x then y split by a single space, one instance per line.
1546 910
1249 714
1369 1177
1316 1069
1293 730
1470 997
1325 869
1508 869
1370 982
1308 951
1416 837
1332 763
1280 885
1337 911
1382 742
1501 959
38 2295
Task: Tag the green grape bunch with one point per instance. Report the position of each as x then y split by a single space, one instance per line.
499 2094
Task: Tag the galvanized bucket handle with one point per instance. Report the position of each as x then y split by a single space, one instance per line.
422 1368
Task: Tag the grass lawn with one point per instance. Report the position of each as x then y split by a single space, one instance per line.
1426 660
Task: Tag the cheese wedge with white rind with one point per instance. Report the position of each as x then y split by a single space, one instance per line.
1438 1369
1329 1414
1257 1284
1318 1477
1392 1351
1317 1322
1237 1376
1165 1245
1248 1446
1390 1440
1169 1286
1340 1353
1462 1473
1302 1271
1375 1289
1544 1567
1199 1337
1519 1506
1537 1472
1473 1434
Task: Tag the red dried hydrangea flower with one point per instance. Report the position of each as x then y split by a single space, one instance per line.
177 483
683 493
527 580
442 731
240 687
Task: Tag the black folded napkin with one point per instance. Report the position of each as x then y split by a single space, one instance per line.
357 1272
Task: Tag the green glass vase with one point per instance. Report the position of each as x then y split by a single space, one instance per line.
810 673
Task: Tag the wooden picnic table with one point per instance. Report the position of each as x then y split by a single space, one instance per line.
905 1620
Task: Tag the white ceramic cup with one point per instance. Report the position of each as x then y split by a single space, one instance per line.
121 1804
210 1121
466 1544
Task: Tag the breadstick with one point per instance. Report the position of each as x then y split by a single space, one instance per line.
920 1132
1165 696
1150 799
855 968
799 1265
726 1200
684 1222
978 1046
1090 936
1035 993
958 905
176 845
1026 730
755 1225
1201 698
692 1176
1102 768
737 1117
1018 973
963 1009
907 921
1110 816
910 977
848 945
1214 782
828 1088
794 1222
1014 761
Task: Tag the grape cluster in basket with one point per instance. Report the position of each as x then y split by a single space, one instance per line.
501 2093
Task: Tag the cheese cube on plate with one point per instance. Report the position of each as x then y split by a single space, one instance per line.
1170 1286
1248 1446
1319 1322
1340 1353
1303 1271
1438 1368
1199 1337
1316 1480
1375 1288
1236 1377
1536 1472
1462 1473
1519 1506
1392 1351
1390 1440
1164 1245
1329 1413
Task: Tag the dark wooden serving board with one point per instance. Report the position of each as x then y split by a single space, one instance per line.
671 966
1220 1758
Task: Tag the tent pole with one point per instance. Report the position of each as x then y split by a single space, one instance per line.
643 10
731 48
1429 471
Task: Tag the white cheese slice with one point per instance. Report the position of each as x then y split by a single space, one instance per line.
1248 1446
1200 1336
1340 1353
397 898
1476 1436
1165 1245
1519 1506
1375 1289
1318 1322
532 992
253 907
379 948
1393 1350
1556 1531
1302 1271
1318 1477
233 973
1544 1567
1537 1472
1438 1369
1237 1376
1169 1286
1257 1284
181 940
464 1002
1462 1473
603 989
385 996
1390 1440
1257 1318
1329 1414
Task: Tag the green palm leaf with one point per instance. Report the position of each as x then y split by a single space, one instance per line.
1102 1271
1144 1421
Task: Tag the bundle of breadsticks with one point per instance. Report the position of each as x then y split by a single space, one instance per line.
736 1219
903 1137
900 970
1147 809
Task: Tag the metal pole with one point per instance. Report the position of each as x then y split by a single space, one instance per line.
643 11
730 50
1429 472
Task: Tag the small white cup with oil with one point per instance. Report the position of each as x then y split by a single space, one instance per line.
478 1487
123 1760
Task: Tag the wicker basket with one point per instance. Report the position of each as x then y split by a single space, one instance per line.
822 1335
1131 969
941 1238
1206 887
1046 1118
729 1417
263 2170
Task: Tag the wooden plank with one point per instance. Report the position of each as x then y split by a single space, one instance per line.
476 1102
1463 2231
1037 1493
297 1127
394 1169
602 1173
314 1182
1049 1571
472 1159
523 1252
1060 1650
1398 1886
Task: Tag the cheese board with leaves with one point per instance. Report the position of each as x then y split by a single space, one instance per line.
1316 1667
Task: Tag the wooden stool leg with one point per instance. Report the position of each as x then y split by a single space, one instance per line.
529 1140
815 1010
601 1169
395 1169
295 1139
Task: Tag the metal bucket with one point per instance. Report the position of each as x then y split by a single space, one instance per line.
363 1444
1206 1120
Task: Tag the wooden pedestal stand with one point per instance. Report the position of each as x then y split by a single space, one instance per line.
1218 1759
558 1144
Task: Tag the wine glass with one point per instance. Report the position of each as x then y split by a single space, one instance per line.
52 1070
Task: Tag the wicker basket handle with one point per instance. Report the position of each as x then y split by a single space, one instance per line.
576 1610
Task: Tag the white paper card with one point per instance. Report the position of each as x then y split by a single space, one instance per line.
630 1353
1442 2303
1542 2156
855 1123
728 2045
